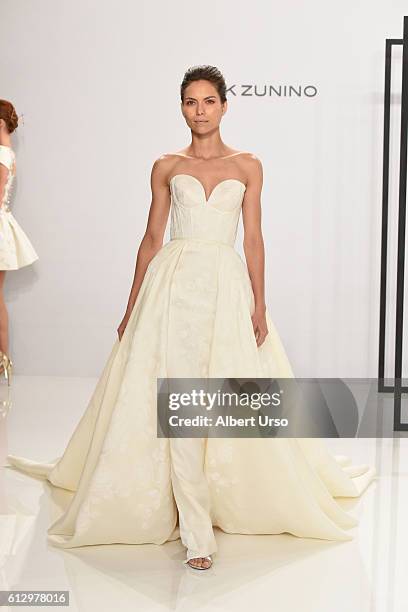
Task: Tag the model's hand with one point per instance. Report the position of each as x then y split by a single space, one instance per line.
122 326
259 325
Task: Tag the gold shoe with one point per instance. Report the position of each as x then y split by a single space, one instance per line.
5 366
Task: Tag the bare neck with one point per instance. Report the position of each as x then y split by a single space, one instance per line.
5 140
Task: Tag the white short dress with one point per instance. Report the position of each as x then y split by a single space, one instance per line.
16 249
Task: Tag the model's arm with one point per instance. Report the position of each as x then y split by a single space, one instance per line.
152 240
254 245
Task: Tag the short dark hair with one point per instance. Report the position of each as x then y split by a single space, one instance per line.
207 73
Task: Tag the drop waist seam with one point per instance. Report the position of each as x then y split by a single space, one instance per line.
207 241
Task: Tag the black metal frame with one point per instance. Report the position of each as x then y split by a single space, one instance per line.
397 388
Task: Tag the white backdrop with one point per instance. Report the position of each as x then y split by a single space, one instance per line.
98 83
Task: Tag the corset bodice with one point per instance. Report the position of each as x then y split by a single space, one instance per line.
195 216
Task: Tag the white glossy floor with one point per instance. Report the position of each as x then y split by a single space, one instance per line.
281 573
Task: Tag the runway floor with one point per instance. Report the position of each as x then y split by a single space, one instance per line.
275 572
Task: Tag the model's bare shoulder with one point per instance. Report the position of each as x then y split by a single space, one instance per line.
251 166
164 161
250 159
161 168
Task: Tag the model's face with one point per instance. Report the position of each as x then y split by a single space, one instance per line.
202 108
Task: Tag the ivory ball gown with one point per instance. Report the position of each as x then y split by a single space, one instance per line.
16 249
192 318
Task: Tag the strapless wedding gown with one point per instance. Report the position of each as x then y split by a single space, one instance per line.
16 250
192 318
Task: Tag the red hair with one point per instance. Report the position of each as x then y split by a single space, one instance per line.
8 113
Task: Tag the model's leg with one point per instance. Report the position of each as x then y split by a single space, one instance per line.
191 492
3 316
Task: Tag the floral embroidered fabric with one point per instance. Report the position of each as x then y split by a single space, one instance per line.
192 318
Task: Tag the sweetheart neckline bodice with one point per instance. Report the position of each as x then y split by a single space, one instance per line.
207 200
196 217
